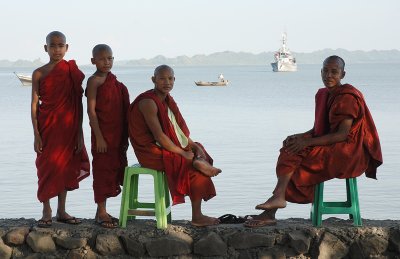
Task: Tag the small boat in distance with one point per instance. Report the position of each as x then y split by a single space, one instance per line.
283 59
221 82
25 80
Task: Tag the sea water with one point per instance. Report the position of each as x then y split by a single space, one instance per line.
241 125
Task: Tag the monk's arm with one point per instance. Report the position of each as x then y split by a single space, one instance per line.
149 110
339 136
38 145
91 93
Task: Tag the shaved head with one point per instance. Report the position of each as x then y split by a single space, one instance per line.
337 59
162 68
55 34
101 47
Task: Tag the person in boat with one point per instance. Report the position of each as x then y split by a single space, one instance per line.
107 102
160 139
343 143
56 113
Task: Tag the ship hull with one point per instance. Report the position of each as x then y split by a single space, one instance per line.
283 67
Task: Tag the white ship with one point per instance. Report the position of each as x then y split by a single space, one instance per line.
284 60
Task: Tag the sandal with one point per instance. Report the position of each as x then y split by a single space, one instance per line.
105 223
41 223
231 219
71 221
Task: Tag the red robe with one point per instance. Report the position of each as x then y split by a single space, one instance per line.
112 102
183 179
59 168
360 153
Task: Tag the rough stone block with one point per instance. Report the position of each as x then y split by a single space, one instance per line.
368 246
210 245
40 243
108 245
132 246
167 246
331 247
17 236
70 242
245 240
5 250
273 253
394 240
299 242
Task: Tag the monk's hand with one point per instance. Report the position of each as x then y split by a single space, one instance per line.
38 144
79 144
198 152
101 145
188 155
289 139
296 145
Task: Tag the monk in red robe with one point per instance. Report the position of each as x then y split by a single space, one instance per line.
108 102
56 111
342 144
160 139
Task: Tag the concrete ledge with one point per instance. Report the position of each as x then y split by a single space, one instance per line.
290 238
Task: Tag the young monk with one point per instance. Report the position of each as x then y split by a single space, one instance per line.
56 111
107 104
343 143
160 139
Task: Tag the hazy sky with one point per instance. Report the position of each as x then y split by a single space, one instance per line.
143 29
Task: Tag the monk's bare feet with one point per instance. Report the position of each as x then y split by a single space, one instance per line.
203 221
274 202
266 218
204 167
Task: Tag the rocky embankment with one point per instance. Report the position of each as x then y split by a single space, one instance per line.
290 238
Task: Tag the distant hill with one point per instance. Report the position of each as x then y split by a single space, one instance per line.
245 58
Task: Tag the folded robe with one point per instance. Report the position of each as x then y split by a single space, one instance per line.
59 167
112 102
183 179
360 153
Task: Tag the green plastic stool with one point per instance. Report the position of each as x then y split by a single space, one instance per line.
131 207
351 206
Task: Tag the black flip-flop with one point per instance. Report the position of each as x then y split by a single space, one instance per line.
231 219
41 223
71 221
106 223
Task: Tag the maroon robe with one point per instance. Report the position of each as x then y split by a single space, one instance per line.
59 167
112 102
360 153
183 178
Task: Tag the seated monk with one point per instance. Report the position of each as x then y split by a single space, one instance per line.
160 139
342 144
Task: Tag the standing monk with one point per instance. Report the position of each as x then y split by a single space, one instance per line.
56 111
160 139
107 104
343 143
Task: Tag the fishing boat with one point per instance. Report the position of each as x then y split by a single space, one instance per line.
25 80
222 82
283 58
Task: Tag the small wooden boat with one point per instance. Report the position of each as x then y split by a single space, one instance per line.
221 82
25 80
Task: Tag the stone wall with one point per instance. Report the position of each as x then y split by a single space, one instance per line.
290 238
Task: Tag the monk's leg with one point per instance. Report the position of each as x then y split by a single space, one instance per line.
277 200
205 167
102 216
46 213
62 214
198 218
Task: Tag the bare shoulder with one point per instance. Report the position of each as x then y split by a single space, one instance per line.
93 83
147 106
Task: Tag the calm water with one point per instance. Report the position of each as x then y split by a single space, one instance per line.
242 126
